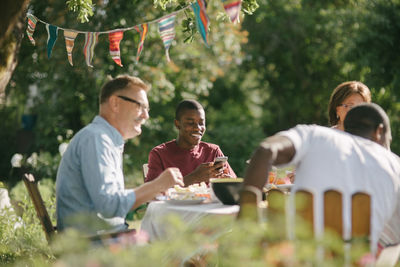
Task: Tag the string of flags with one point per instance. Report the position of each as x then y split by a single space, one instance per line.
166 29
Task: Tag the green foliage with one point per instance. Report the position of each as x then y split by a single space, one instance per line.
275 70
220 241
22 238
374 51
217 242
67 96
83 7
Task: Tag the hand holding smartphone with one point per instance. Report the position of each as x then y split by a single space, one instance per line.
220 159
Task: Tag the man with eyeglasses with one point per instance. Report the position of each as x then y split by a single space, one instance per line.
90 190
194 158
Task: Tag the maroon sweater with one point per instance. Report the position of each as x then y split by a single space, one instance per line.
170 155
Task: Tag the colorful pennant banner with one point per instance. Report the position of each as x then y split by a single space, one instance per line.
69 43
142 30
166 29
115 38
232 8
31 27
199 9
52 31
167 32
91 39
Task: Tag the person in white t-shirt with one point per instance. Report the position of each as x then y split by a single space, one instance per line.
352 161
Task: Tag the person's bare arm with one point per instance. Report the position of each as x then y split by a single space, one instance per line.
203 173
149 190
274 150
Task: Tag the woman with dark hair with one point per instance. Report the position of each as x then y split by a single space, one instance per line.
343 98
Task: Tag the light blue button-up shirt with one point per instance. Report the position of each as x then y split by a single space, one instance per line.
90 189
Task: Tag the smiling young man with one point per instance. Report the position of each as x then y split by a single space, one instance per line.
90 190
194 158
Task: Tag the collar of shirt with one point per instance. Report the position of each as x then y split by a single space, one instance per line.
114 134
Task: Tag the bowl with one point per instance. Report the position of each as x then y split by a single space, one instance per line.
227 190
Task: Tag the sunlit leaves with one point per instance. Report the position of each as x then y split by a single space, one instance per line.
84 8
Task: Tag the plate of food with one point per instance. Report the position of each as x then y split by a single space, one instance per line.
194 194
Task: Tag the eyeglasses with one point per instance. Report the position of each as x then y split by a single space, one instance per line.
142 106
346 105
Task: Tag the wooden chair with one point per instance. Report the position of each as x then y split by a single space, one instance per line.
145 169
333 216
44 218
250 196
41 211
305 213
334 223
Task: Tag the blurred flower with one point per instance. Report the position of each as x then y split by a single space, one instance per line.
33 159
59 138
62 147
69 133
16 160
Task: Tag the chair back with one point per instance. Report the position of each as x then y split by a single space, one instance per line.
305 211
333 214
41 211
276 201
360 215
145 169
249 199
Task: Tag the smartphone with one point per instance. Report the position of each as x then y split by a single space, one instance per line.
219 159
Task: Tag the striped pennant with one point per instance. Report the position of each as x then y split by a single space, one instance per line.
32 20
167 32
232 8
115 38
199 9
142 30
69 43
52 32
91 39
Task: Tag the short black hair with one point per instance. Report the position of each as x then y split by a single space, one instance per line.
365 118
185 105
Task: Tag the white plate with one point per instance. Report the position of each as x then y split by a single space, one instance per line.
185 201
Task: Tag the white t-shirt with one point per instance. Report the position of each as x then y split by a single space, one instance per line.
326 159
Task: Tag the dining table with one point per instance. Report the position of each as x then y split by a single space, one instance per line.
154 220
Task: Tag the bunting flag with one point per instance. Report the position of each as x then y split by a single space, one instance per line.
32 20
69 43
166 29
167 32
52 32
115 38
232 8
142 30
91 39
199 9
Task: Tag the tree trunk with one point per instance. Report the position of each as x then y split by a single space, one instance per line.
12 25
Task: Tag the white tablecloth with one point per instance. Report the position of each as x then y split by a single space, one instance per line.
154 220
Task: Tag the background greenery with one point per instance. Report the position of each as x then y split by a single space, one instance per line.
274 70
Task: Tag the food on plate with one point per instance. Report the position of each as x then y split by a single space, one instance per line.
285 180
194 191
